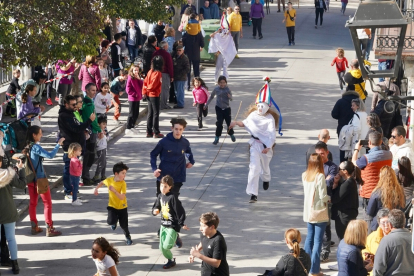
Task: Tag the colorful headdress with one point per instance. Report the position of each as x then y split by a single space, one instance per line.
224 23
264 96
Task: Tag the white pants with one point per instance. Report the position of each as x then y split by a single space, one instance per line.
221 63
258 168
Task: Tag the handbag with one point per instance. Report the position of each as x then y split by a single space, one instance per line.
42 184
318 215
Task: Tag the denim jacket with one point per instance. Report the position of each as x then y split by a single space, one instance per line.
36 153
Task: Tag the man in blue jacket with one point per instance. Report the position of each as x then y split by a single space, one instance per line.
173 150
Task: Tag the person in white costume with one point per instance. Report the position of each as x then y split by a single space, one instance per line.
261 125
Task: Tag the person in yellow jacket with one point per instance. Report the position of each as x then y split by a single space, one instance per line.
375 237
355 80
290 19
236 28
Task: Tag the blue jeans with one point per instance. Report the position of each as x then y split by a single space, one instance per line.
343 7
133 52
179 92
9 229
313 244
74 180
382 66
67 187
369 46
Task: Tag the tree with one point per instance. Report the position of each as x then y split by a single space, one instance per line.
34 32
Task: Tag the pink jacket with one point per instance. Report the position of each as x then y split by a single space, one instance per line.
75 168
134 89
200 95
93 76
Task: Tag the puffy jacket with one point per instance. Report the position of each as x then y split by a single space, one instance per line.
134 89
70 128
385 118
147 57
14 87
8 180
192 44
342 110
373 241
355 80
181 67
152 84
400 151
172 154
288 265
88 108
350 262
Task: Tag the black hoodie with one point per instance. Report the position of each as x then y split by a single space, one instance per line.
171 210
71 129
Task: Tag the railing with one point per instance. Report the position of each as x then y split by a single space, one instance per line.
5 76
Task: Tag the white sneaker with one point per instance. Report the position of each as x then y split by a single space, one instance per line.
68 197
83 200
77 203
129 132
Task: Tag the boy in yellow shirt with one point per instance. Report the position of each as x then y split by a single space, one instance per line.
117 205
290 19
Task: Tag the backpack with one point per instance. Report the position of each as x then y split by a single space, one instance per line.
345 140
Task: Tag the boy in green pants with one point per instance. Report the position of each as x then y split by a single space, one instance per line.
172 219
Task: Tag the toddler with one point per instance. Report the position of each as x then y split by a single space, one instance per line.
200 96
105 257
75 171
340 62
170 38
101 145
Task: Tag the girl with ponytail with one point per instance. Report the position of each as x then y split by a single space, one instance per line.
297 262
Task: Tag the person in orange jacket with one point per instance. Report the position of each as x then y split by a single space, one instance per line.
152 91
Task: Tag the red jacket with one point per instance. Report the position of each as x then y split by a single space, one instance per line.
168 62
152 84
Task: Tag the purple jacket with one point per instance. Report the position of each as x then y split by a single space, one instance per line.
256 11
27 108
93 75
134 89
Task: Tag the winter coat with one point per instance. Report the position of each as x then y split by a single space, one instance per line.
181 67
355 81
288 265
138 36
90 75
148 50
345 199
386 118
134 89
350 262
172 154
342 110
192 44
8 179
168 62
159 32
70 128
14 87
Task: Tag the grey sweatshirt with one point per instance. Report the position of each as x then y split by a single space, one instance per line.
224 97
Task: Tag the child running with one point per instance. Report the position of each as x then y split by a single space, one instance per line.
105 257
341 62
75 170
117 205
101 145
172 219
103 100
200 96
223 110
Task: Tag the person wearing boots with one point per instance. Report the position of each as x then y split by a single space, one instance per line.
9 178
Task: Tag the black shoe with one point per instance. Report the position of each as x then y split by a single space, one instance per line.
88 182
6 262
332 243
278 10
253 199
176 106
260 37
265 185
15 267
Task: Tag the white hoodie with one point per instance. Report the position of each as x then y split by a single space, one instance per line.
400 151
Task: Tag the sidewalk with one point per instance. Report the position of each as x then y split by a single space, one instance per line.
54 167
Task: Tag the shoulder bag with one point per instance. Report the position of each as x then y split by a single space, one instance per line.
363 90
304 269
42 184
318 215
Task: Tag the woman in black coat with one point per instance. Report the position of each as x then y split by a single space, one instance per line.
297 262
345 196
149 49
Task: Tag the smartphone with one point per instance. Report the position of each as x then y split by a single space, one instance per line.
363 142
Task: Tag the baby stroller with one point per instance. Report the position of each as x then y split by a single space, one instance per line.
14 137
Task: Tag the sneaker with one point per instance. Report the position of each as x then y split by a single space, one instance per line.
178 107
290 44
332 243
113 227
293 43
333 267
233 138
77 203
178 242
52 232
169 264
96 179
68 197
128 241
216 140
260 36
200 129
129 131
265 185
57 99
49 101
159 135
324 256
13 115
81 184
83 200
149 135
253 199
237 56
88 182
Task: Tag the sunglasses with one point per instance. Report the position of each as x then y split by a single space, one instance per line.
393 136
73 104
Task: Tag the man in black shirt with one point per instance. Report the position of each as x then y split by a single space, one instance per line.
214 247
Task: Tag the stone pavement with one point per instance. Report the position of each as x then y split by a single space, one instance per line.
305 87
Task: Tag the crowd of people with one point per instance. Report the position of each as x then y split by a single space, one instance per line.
376 160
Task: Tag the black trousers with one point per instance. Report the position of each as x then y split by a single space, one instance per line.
364 45
153 118
121 215
257 25
223 115
89 156
116 72
4 247
196 70
174 190
200 113
291 33
327 235
341 222
172 98
49 85
133 114
319 12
